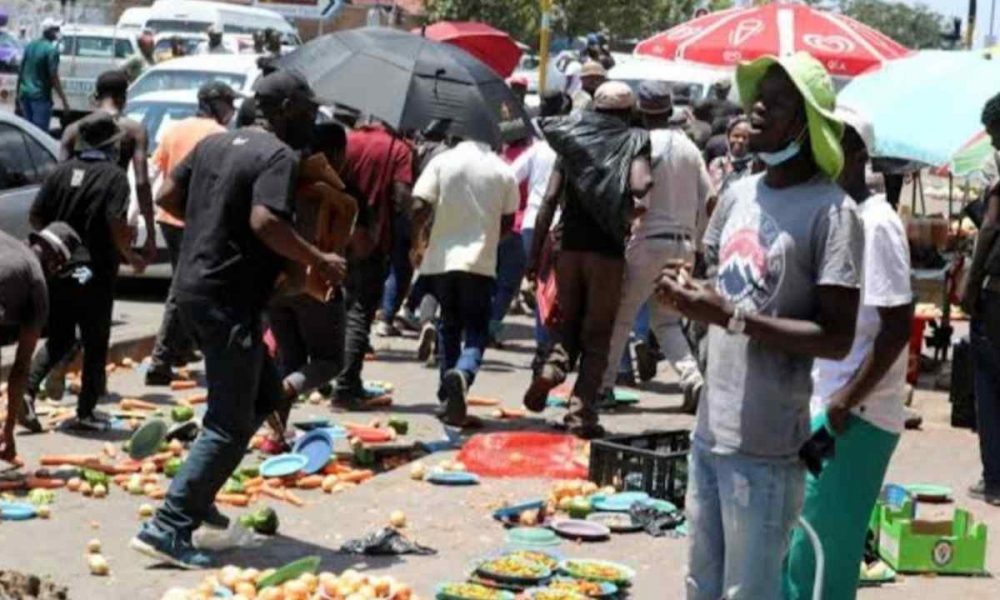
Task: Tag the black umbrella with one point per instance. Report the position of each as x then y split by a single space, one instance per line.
407 81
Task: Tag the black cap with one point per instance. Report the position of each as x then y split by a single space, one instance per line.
655 97
111 83
64 241
97 130
216 90
285 85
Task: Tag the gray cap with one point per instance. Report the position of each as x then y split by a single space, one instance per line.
655 97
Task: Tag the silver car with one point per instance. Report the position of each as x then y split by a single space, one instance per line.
86 52
27 156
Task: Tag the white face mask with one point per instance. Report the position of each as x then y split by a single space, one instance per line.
773 159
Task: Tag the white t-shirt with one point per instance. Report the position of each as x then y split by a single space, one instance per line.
471 189
886 284
535 166
681 188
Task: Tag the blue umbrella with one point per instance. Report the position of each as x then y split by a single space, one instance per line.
925 108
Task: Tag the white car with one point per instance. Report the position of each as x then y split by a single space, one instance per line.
698 79
86 52
240 71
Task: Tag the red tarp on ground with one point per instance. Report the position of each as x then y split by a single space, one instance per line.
525 454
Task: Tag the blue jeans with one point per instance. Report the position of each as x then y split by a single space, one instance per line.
511 263
741 511
986 382
640 331
465 317
400 269
243 389
37 112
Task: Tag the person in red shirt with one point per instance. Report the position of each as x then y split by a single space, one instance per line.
379 165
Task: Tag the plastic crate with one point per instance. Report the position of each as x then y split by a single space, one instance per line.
652 462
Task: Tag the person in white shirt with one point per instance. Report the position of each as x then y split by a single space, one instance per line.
669 218
472 195
860 399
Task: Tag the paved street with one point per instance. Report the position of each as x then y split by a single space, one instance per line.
454 521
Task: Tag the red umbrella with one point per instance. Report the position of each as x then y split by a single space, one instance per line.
489 45
845 46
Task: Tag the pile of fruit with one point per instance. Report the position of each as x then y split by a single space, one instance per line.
246 584
574 496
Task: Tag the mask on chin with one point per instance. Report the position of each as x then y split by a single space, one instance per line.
773 159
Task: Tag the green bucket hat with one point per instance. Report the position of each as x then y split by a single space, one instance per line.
816 87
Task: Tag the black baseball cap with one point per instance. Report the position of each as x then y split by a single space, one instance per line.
216 90
655 97
111 83
96 131
64 241
285 85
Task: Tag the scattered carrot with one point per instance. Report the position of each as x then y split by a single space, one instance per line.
121 478
274 483
196 399
267 490
182 385
508 413
136 404
44 483
110 450
481 401
13 485
254 482
157 494
76 460
336 468
233 499
358 476
310 482
291 498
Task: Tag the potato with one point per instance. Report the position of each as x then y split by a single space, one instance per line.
98 565
229 576
94 546
148 467
397 519
146 511
316 398
100 491
176 447
329 482
245 589
418 471
73 484
311 581
85 489
44 511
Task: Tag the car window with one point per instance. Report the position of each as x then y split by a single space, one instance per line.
123 48
95 47
163 79
43 160
178 25
157 118
16 167
67 45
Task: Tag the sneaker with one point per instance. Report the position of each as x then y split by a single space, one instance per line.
913 419
167 548
537 395
27 417
606 401
645 361
187 357
626 379
386 329
92 422
159 374
981 492
425 347
454 388
406 321
215 519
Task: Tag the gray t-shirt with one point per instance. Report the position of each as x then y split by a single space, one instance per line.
24 300
772 248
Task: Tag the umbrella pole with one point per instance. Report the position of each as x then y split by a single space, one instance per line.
544 37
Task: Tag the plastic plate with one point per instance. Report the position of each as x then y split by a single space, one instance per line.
511 513
532 537
487 569
293 570
283 465
147 439
576 568
317 447
455 593
453 478
615 521
578 529
17 511
621 502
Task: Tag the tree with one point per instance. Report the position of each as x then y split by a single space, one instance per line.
519 18
915 27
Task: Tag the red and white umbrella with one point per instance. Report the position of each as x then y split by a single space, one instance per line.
727 38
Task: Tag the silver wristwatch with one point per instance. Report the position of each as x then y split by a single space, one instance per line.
737 323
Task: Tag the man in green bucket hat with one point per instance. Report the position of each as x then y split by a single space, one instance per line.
785 250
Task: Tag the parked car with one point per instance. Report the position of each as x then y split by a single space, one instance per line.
11 52
87 51
27 156
191 72
194 43
695 80
198 16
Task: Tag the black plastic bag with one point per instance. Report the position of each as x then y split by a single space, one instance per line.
655 521
385 543
596 152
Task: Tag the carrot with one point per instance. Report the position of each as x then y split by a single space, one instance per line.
110 450
128 466
157 494
293 499
195 399
508 413
161 458
10 486
358 476
254 482
274 482
76 460
151 478
183 385
310 482
336 468
44 483
233 499
266 490
136 404
481 401
121 478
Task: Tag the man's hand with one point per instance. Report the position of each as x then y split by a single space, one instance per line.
137 262
149 247
694 299
838 412
331 267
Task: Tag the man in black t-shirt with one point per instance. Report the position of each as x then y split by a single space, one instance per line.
90 193
235 192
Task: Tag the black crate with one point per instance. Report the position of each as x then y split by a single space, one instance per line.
652 462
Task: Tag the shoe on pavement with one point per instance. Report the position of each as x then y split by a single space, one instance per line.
645 361
159 374
406 321
537 396
913 419
215 519
167 548
626 379
606 401
386 329
980 492
454 389
187 357
91 422
425 347
27 417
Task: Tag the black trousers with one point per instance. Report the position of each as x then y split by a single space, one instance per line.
362 294
88 307
173 340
